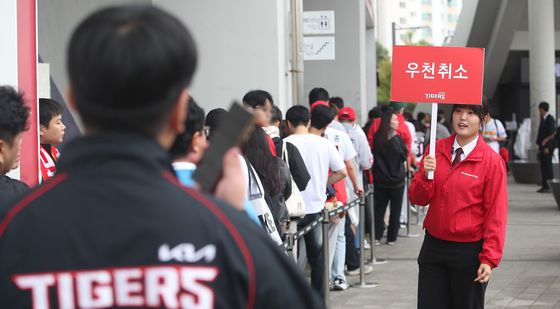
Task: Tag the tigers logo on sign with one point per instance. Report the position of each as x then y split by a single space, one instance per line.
445 75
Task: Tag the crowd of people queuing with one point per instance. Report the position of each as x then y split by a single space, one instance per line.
119 220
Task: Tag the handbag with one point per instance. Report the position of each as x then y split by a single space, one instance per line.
295 204
258 201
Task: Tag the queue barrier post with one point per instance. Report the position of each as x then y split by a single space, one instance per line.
326 268
363 283
373 259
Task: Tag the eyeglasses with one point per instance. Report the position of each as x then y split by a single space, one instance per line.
206 130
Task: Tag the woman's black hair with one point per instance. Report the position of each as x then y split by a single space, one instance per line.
193 123
213 120
257 151
385 130
480 110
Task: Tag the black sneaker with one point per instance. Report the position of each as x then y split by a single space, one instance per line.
544 190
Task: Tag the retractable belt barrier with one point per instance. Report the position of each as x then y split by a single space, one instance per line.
291 238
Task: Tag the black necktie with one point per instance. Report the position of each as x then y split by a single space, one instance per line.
458 153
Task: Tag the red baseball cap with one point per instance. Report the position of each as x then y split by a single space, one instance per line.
347 113
317 103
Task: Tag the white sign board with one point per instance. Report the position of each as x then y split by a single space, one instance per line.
318 48
318 22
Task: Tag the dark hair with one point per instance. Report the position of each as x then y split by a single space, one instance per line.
48 109
544 106
337 102
298 115
408 116
276 114
256 98
374 113
127 67
214 118
321 117
420 116
479 110
382 135
257 151
318 94
193 123
13 114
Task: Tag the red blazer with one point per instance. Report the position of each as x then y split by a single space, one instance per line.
467 203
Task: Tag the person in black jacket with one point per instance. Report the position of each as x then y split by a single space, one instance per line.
546 144
115 228
13 122
389 155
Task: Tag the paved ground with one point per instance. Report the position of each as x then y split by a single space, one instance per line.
528 277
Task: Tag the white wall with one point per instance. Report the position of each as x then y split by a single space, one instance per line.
9 50
242 46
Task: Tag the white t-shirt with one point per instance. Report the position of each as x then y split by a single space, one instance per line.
319 156
342 143
492 129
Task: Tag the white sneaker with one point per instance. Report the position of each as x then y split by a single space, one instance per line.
340 285
367 245
367 269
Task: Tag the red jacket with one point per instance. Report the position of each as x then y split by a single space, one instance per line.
467 203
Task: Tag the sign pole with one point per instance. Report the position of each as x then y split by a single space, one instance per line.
433 129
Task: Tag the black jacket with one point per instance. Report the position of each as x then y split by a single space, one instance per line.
388 167
547 127
114 227
11 189
297 166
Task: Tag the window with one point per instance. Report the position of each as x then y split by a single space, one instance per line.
426 16
427 32
402 4
412 14
426 1
402 21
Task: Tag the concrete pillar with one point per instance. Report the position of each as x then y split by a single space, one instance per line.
541 59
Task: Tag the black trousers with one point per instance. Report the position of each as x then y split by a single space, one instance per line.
546 168
381 197
352 255
447 273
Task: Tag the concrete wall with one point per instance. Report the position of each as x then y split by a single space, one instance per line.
242 45
342 76
56 19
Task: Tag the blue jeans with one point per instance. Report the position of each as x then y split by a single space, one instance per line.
314 250
337 268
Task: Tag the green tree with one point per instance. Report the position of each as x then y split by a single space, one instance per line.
384 74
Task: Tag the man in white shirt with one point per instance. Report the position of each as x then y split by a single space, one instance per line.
494 132
319 156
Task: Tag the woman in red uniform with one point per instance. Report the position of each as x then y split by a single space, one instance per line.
466 223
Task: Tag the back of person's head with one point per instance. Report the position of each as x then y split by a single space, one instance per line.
321 117
256 98
408 116
214 118
336 103
420 116
382 135
257 151
397 106
194 123
128 67
13 122
48 109
276 115
544 106
298 115
318 94
374 113
386 108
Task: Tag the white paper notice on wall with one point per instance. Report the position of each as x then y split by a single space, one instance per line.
318 22
318 48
